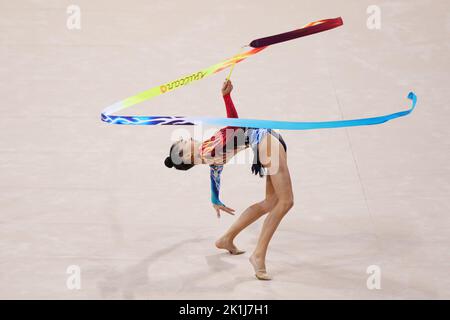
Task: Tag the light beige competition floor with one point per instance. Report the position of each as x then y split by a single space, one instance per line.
76 191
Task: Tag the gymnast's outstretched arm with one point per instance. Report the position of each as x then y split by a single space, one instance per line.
216 170
229 105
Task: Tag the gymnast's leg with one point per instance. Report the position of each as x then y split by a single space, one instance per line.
276 164
250 215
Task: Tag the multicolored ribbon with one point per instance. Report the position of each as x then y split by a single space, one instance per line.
258 45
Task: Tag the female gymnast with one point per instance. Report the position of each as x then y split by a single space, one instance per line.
270 159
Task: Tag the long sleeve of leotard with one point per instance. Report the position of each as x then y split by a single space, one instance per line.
215 172
229 105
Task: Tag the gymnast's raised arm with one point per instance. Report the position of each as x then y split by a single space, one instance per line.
226 91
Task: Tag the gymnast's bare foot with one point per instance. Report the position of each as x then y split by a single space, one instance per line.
259 267
227 244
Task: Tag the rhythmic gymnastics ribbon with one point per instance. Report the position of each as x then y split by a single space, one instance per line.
257 46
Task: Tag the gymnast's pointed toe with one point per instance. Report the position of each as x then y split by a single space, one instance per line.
263 275
236 252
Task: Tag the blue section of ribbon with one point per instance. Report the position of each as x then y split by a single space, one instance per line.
256 123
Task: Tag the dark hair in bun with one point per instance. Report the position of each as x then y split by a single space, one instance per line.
168 162
179 166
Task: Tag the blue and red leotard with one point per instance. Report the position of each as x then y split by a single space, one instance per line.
226 143
221 147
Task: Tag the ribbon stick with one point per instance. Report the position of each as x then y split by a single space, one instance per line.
232 66
257 46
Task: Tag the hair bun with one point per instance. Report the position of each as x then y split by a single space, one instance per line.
168 162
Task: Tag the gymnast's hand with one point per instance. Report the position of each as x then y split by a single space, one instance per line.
222 207
227 87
